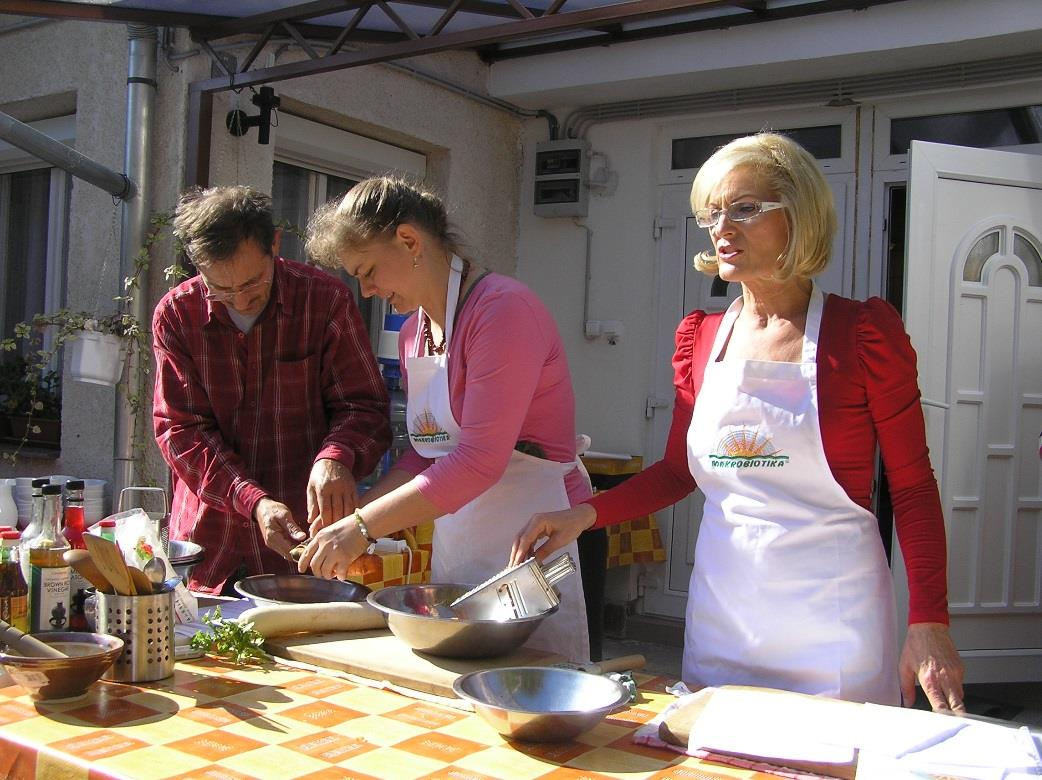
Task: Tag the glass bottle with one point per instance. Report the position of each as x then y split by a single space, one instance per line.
48 571
107 529
75 526
32 530
14 593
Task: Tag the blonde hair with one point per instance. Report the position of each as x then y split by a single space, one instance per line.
789 170
372 210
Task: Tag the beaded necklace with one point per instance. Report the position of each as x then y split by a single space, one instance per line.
440 348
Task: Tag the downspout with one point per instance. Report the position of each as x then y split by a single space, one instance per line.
141 91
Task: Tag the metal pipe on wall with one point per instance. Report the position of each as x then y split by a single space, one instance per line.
141 90
38 144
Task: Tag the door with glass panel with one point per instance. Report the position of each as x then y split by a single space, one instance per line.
974 312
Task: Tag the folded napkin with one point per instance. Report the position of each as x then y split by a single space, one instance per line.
930 743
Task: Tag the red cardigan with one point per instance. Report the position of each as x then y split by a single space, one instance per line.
868 393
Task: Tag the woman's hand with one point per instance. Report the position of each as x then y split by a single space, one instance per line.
930 655
559 528
333 549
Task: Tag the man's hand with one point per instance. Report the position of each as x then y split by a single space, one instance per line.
332 493
930 655
277 526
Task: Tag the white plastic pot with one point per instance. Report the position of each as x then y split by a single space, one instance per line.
97 358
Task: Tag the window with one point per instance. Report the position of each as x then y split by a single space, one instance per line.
316 163
295 193
33 220
981 129
823 142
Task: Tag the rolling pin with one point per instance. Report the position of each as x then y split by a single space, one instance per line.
284 619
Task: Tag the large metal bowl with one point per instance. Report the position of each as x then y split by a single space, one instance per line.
298 589
539 703
48 679
419 615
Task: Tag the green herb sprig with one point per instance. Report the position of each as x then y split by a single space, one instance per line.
230 639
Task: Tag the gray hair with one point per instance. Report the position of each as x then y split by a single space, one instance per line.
211 223
792 172
372 210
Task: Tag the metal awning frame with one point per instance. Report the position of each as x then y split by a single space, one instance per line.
545 30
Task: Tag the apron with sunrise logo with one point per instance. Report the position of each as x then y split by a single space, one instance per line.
473 543
790 587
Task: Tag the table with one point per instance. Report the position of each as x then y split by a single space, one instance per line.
215 720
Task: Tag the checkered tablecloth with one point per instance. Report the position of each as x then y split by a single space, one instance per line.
213 720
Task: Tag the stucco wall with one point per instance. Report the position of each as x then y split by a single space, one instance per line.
473 153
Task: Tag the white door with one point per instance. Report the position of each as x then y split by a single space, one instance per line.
974 313
684 289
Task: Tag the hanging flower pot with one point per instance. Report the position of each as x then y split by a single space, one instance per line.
97 358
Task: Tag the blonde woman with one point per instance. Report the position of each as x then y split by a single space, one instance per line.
780 404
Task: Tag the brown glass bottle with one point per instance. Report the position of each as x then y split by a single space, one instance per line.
14 593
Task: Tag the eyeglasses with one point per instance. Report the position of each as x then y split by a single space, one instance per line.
225 297
739 211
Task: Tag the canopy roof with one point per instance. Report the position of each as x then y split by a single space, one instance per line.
329 30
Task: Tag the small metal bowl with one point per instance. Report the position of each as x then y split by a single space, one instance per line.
184 555
49 679
298 589
419 615
540 703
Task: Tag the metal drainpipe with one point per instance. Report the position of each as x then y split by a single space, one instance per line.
141 90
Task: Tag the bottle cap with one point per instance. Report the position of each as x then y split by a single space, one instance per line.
52 490
10 534
40 482
108 522
74 484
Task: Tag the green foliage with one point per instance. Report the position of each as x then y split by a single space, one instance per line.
43 337
230 639
23 391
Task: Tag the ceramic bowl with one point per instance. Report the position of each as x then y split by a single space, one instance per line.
49 679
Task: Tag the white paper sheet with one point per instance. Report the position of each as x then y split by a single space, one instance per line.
776 727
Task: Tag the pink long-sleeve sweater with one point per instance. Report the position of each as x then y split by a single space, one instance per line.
508 382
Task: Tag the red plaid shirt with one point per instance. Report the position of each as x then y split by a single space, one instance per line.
240 416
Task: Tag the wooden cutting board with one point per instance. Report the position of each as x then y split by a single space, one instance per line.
379 655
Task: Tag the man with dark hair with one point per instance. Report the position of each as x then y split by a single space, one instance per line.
268 404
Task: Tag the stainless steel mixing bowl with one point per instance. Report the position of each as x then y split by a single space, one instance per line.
540 703
298 589
419 615
184 555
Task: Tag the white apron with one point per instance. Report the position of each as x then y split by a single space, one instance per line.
790 587
473 543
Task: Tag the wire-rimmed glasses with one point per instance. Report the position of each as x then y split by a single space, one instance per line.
739 211
225 297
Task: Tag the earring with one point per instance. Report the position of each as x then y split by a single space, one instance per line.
415 262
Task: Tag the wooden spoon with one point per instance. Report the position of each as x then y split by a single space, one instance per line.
110 563
142 584
27 645
81 561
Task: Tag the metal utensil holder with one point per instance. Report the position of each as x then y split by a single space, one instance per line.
146 626
516 592
161 519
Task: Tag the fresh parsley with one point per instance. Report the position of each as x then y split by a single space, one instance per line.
230 639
